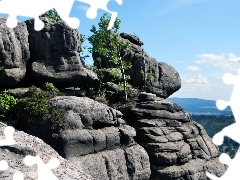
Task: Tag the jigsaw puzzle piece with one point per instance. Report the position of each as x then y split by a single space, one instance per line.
3 165
221 105
18 176
100 4
229 131
233 167
63 8
8 132
229 78
44 170
35 8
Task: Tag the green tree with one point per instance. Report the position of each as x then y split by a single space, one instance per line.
52 14
106 43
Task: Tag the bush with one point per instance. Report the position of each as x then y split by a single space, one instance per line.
50 87
37 101
35 111
7 103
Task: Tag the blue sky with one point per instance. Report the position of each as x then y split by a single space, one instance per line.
199 38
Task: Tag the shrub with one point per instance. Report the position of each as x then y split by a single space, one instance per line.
37 101
7 103
36 111
50 87
52 14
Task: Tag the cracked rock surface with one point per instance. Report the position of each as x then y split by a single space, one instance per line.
178 147
96 140
30 145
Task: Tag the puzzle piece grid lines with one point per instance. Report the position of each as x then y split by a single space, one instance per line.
230 131
16 8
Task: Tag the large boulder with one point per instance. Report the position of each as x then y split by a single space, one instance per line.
14 53
161 78
93 136
33 146
55 55
178 147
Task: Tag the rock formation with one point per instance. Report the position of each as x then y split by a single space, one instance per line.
161 78
96 139
51 55
55 55
14 53
154 139
178 147
33 146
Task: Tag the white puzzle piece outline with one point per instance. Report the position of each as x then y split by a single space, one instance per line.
44 170
95 5
34 8
8 132
230 131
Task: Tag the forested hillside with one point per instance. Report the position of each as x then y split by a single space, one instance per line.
200 106
213 124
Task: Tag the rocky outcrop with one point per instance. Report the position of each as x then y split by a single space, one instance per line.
178 147
14 53
94 137
161 78
55 55
33 146
34 57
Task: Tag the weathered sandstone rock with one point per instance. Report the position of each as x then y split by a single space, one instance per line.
178 147
162 79
95 138
33 146
55 55
14 53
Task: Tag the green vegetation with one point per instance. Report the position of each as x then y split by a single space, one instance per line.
214 124
82 39
36 103
52 14
35 108
1 65
149 77
7 104
51 88
106 43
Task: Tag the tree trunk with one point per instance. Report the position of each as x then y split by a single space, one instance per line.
144 71
124 79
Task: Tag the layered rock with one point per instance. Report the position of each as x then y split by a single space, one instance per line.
55 55
94 137
14 53
33 146
178 147
161 78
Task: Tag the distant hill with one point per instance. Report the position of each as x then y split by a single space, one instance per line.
200 106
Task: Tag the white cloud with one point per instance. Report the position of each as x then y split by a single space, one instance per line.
208 83
209 58
229 62
193 68
233 57
190 79
83 7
